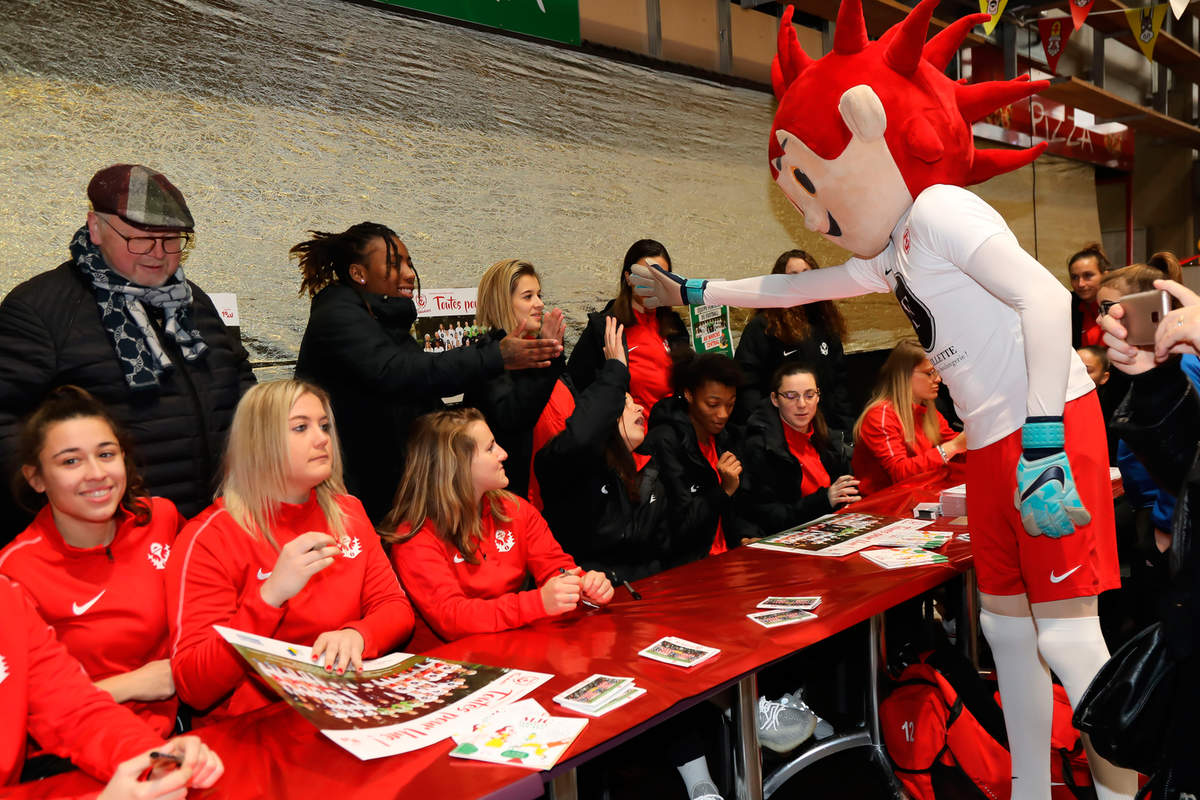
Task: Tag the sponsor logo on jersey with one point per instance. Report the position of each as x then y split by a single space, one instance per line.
262 576
3 669
1060 578
77 608
158 555
907 240
458 559
505 540
824 348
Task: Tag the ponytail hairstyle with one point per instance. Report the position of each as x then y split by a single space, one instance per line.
793 325
256 459
437 486
820 430
494 308
1141 277
1092 250
668 322
894 386
327 257
62 404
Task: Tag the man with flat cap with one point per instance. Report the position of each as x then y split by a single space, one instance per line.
119 319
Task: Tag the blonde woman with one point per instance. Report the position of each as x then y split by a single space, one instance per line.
284 552
900 433
464 547
510 299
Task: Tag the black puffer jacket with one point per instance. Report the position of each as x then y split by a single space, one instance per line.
51 335
769 497
588 356
512 403
694 490
358 348
586 503
759 354
1160 421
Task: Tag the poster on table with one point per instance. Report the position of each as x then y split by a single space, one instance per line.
840 534
710 329
397 704
446 319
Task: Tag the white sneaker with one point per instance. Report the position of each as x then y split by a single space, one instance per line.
705 791
783 727
823 729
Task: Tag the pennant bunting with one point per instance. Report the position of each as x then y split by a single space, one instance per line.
1079 11
995 8
1054 34
1178 7
1145 24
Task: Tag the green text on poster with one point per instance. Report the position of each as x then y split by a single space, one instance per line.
546 19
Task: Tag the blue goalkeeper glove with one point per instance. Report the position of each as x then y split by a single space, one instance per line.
1046 495
656 287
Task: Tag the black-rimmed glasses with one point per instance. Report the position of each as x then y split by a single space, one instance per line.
172 243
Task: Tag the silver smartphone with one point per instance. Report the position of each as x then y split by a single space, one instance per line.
1143 312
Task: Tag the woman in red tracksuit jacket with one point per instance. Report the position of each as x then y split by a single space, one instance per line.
283 553
93 560
900 433
463 546
45 694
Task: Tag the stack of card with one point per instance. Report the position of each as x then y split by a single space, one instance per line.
930 540
521 734
599 695
680 652
903 557
785 611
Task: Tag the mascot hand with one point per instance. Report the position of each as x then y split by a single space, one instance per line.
1046 495
656 287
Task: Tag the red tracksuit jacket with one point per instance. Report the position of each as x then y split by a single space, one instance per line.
45 693
107 605
457 598
881 457
214 577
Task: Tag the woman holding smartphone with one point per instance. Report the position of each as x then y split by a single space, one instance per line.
284 552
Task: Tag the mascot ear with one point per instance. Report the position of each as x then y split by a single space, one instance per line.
863 112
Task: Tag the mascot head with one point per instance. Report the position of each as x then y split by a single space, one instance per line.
862 131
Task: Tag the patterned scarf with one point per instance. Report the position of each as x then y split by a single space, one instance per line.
123 313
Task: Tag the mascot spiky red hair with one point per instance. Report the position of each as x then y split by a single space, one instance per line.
872 144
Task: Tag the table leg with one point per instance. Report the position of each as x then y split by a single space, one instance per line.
968 626
747 759
564 786
874 676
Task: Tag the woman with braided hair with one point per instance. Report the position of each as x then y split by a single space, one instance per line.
358 347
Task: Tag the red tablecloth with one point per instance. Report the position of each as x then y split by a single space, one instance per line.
276 753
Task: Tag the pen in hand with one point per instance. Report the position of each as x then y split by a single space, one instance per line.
634 592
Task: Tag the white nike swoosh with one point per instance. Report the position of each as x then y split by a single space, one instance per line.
631 349
787 353
604 489
695 488
458 559
81 609
262 576
1060 578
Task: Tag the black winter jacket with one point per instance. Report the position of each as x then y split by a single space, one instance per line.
769 497
694 490
358 348
588 356
1160 421
760 354
512 403
586 504
51 335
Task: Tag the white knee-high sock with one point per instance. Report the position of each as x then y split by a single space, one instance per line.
1028 701
1075 649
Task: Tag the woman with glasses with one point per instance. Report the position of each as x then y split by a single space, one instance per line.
900 433
789 462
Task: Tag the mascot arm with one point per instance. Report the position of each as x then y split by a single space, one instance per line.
856 277
1045 496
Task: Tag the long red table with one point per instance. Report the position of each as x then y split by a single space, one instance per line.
276 753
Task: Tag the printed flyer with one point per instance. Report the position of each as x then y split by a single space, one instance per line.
840 534
397 704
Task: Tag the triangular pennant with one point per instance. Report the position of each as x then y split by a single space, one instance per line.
1178 7
1145 24
995 8
1054 34
1079 11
